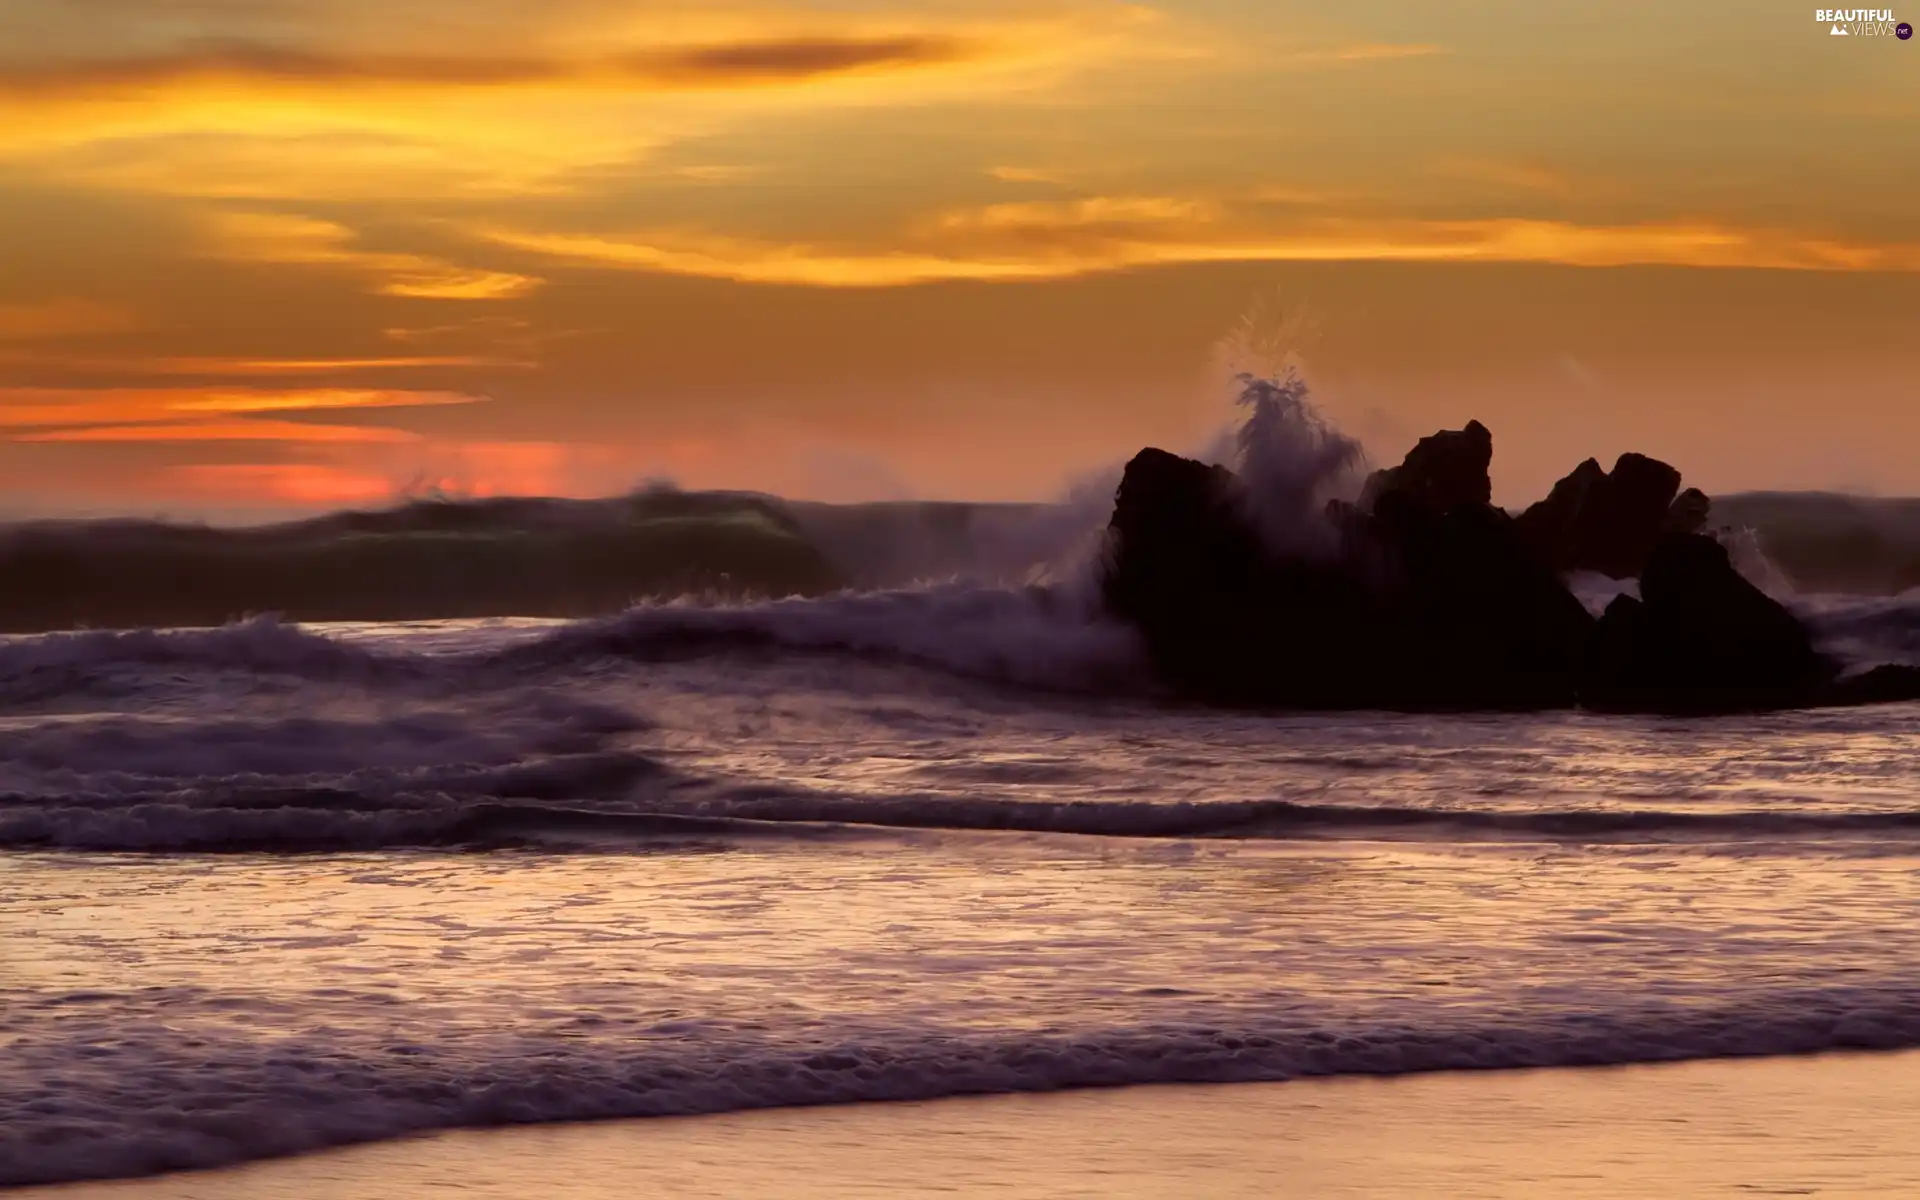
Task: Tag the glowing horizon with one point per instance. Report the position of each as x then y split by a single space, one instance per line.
752 245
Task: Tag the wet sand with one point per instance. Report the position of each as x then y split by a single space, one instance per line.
1831 1126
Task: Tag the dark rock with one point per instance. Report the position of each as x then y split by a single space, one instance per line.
1223 619
1441 472
1700 639
1889 684
1477 621
1596 520
1688 513
1425 599
1417 606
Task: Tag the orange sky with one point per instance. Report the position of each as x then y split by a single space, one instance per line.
264 254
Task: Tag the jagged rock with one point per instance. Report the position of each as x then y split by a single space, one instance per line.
1441 472
1688 513
1425 599
1416 606
1551 526
1479 623
1223 619
1596 520
1700 639
1887 684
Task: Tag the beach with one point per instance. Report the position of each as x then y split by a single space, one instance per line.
1828 1126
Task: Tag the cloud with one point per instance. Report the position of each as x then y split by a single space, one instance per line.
238 367
729 64
1093 213
751 261
60 317
296 240
523 105
235 367
145 415
717 172
1025 175
1048 241
29 408
220 431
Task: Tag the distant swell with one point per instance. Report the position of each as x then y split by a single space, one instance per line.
506 807
186 1097
1281 819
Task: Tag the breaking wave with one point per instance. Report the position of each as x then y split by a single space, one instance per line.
190 1095
1045 638
1032 636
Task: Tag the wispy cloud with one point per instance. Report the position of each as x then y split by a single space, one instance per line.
39 408
241 367
221 431
1025 175
1092 213
1046 240
60 317
315 114
726 64
306 241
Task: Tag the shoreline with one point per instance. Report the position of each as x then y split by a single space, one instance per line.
1828 1125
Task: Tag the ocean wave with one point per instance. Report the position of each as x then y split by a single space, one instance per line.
192 1095
510 557
1029 636
291 783
642 804
1865 631
1041 637
1033 636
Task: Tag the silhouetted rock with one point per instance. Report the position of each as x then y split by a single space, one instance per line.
1223 619
1887 684
1424 598
1420 604
1478 622
1700 639
1688 512
1441 472
1596 520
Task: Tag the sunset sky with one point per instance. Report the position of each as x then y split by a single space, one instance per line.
259 255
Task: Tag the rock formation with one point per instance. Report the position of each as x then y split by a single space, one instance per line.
1606 521
1428 599
1688 513
1700 639
1426 596
1441 472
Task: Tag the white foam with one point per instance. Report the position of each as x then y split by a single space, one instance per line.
182 1097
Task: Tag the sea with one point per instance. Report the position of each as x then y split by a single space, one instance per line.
272 887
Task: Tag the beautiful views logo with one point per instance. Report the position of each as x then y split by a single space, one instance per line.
1862 22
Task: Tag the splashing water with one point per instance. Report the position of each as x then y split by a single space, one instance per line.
1743 547
1293 461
